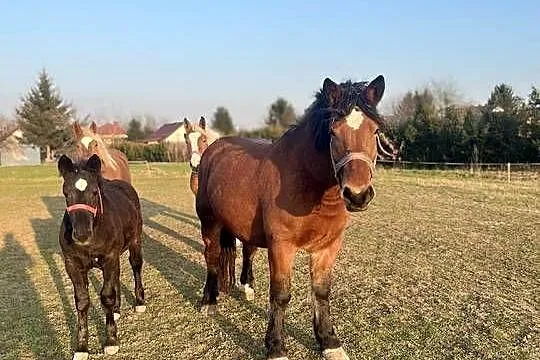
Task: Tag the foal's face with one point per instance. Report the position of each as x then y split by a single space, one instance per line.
196 141
353 143
83 196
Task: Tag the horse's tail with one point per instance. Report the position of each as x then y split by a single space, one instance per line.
227 258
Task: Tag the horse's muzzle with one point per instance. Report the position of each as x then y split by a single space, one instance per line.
358 200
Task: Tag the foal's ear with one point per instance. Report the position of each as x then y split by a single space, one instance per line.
187 125
375 91
202 123
94 164
332 91
93 127
65 165
77 131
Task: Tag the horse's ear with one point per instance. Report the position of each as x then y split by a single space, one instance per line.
93 127
202 123
94 164
375 91
65 165
187 125
331 91
77 131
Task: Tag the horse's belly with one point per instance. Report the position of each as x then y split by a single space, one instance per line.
235 204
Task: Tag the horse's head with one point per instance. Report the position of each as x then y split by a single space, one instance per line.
196 141
353 137
86 140
82 191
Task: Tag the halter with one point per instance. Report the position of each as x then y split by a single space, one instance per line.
348 157
91 209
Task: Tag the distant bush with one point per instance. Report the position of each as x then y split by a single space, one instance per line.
162 152
267 132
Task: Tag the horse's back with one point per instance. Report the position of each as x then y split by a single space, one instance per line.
121 171
122 192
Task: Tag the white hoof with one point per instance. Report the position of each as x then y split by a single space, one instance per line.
111 350
238 243
335 354
249 293
280 358
140 308
80 356
116 316
209 310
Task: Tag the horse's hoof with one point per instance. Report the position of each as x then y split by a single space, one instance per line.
209 310
140 308
80 356
335 354
116 316
249 293
279 358
111 350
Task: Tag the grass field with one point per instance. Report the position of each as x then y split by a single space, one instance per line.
440 267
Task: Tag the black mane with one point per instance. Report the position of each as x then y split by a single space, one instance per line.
321 114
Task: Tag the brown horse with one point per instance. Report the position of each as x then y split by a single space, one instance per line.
198 138
114 163
290 195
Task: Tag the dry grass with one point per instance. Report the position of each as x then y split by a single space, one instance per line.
440 267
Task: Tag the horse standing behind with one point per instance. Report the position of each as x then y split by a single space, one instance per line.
290 195
88 142
198 138
102 220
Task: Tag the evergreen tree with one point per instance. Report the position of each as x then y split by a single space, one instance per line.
222 121
281 113
44 118
135 131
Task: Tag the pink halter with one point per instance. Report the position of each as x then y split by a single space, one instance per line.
87 207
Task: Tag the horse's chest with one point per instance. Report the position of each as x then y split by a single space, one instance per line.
323 226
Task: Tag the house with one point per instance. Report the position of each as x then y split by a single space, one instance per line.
168 133
112 132
13 152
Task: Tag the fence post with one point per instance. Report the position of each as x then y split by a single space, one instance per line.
508 171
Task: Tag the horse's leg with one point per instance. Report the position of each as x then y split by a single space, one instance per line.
227 257
79 278
280 258
117 303
322 262
111 281
211 237
136 262
247 280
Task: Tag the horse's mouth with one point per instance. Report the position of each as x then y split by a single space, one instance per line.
355 208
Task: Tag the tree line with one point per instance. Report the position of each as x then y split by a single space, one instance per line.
430 124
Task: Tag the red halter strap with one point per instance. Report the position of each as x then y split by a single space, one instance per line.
87 207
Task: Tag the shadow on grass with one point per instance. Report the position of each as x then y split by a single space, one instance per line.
188 277
24 325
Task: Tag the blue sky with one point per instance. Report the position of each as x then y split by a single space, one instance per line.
174 59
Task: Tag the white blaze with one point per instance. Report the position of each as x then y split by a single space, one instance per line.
86 141
81 184
355 118
195 153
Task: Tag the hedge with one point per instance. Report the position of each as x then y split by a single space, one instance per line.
162 152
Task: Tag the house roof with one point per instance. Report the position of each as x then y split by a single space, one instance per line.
7 132
164 131
111 129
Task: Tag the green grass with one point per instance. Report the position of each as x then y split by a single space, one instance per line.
440 267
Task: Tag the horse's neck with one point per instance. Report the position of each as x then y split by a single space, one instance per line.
309 162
